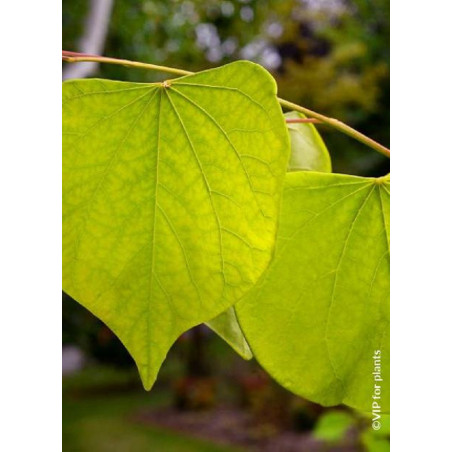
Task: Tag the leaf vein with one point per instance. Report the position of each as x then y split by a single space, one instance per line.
206 182
327 324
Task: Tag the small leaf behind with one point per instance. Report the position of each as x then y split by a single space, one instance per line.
228 328
308 151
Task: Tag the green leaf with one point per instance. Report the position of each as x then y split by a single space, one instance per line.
308 151
321 310
377 440
228 328
171 196
375 444
333 425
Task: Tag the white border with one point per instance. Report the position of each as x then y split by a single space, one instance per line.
30 238
421 229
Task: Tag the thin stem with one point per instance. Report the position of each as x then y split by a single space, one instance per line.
338 125
74 57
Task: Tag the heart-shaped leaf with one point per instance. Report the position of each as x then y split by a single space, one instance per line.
171 196
318 320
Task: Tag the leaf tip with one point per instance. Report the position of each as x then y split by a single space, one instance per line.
148 382
147 377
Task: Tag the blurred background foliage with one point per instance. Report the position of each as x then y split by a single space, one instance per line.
331 56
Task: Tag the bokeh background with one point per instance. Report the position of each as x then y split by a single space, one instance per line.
331 56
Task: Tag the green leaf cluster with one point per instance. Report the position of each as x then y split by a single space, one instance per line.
178 210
